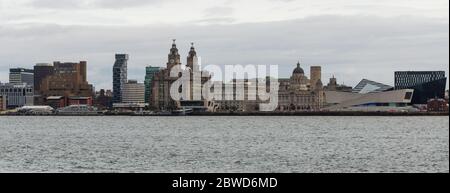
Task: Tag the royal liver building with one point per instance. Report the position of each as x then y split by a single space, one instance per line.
160 98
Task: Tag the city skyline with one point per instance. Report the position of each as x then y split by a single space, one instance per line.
349 40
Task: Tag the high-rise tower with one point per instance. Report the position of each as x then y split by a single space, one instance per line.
21 75
119 76
150 73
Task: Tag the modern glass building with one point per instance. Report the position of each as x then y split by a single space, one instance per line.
119 76
426 84
369 86
149 75
21 75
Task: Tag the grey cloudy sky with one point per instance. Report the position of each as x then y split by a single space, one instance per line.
351 39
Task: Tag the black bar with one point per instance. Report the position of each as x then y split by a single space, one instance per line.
284 182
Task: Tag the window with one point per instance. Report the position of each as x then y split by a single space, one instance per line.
408 96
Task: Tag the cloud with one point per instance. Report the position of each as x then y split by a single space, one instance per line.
87 4
117 4
219 11
216 20
51 4
349 47
217 15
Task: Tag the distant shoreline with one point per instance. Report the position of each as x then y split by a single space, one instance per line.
356 114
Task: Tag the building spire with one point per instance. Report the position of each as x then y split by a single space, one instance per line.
192 46
174 44
174 57
192 52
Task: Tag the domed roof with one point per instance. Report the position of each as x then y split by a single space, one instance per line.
299 70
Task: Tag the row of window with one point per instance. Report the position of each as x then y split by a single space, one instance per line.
306 99
15 90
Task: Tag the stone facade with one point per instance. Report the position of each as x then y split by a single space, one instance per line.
334 86
298 93
2 103
295 94
160 94
67 80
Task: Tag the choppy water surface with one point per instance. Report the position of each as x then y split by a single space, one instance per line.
224 144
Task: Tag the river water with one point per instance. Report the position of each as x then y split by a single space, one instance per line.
224 144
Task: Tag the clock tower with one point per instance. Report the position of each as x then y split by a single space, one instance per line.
192 60
174 56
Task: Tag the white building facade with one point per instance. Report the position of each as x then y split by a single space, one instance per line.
133 92
17 95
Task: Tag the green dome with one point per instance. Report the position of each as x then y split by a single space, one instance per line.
299 70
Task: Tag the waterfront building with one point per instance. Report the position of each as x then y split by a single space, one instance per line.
41 71
437 105
17 95
248 87
103 100
150 73
298 94
388 101
294 94
63 101
334 86
2 102
426 84
55 102
66 80
133 92
21 76
119 76
223 104
369 86
78 100
160 98
160 94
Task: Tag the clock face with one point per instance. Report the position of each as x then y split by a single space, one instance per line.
172 60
